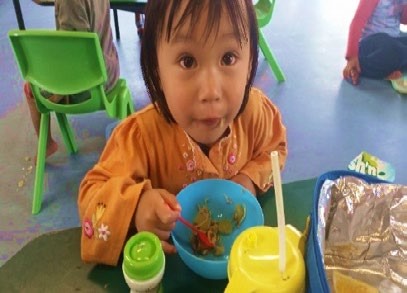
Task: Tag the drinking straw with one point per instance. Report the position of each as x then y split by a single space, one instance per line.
280 209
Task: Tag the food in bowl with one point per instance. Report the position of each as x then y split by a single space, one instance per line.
214 229
221 197
239 214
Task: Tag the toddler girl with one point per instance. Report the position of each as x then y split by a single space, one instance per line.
198 59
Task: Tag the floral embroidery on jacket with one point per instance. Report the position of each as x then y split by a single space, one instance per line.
193 157
91 228
232 158
104 232
191 165
232 154
88 228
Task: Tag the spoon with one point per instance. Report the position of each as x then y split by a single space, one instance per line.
202 237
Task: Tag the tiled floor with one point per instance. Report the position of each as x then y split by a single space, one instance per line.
329 121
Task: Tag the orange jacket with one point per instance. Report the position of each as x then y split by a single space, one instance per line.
146 152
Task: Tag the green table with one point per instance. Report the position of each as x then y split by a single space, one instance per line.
51 262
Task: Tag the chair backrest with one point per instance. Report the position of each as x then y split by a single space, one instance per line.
264 11
61 62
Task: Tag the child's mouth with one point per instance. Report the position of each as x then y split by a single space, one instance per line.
211 122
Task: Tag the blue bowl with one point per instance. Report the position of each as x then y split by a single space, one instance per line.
221 197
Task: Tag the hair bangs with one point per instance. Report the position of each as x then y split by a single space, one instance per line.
234 9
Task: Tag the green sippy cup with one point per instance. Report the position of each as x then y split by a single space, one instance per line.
143 263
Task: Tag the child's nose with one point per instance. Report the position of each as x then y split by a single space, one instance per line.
210 86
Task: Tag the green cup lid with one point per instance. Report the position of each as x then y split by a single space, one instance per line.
143 256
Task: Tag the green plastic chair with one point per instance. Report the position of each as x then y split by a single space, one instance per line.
65 62
264 11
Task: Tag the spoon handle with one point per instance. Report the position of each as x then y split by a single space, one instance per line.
188 224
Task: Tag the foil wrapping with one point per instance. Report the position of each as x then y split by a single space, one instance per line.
362 232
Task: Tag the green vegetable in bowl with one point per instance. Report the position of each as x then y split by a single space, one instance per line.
239 215
225 226
203 218
213 229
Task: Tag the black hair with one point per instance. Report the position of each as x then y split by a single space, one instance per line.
242 17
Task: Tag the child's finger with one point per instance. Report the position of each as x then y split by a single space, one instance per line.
355 76
162 234
168 211
167 217
347 71
171 200
168 248
167 227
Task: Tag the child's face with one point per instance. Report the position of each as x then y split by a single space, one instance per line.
204 79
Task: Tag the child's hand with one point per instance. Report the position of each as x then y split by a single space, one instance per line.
245 181
157 212
351 71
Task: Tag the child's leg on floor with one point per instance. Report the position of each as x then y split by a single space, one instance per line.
403 45
381 56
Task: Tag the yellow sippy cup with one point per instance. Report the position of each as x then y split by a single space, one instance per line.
268 259
254 262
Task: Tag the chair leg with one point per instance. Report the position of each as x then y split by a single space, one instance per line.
125 107
139 24
116 23
128 108
40 164
278 73
67 133
130 105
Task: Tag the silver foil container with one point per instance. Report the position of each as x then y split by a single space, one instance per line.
362 232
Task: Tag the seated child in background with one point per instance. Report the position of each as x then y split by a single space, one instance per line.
205 121
375 47
87 16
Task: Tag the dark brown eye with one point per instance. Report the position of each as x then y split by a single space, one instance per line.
187 62
228 59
